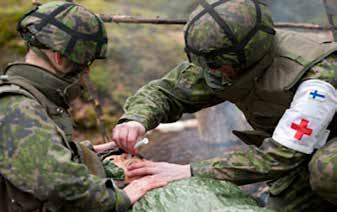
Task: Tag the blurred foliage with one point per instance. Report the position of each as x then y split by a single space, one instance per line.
11 11
305 11
8 19
88 120
100 77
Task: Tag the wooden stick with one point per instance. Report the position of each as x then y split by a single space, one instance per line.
140 20
163 21
302 26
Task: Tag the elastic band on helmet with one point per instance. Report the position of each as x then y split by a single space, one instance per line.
24 32
237 47
97 37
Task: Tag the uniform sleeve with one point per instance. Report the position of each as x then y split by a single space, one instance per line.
34 160
182 90
251 164
326 71
275 158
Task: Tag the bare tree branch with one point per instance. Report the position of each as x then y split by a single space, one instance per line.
302 26
140 20
163 21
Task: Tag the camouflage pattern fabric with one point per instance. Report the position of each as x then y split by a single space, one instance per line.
87 42
325 70
270 161
197 194
34 159
206 35
184 90
298 196
323 171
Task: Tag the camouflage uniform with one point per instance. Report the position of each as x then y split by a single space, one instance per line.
263 94
41 169
184 90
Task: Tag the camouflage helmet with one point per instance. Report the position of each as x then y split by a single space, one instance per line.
67 28
229 32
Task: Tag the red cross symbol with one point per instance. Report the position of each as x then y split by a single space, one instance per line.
301 129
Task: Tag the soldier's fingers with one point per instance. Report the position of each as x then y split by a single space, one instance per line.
132 139
149 163
141 172
142 164
116 135
123 136
153 182
104 147
159 184
136 166
133 134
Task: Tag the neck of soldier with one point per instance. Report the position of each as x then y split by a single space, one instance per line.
32 58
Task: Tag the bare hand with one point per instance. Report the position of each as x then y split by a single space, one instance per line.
127 134
137 188
104 147
161 170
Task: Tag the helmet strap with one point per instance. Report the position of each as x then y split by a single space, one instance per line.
97 37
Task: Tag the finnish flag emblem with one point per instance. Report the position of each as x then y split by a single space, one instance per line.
303 127
316 95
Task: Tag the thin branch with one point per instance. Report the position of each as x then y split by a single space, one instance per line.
302 26
37 3
163 21
140 20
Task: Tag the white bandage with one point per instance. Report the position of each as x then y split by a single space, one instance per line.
303 127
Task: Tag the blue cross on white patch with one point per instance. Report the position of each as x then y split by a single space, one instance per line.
316 95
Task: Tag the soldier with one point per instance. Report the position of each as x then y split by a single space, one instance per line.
284 83
41 168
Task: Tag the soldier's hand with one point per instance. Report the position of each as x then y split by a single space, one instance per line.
127 134
161 170
100 148
137 188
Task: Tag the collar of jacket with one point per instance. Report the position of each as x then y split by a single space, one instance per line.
52 86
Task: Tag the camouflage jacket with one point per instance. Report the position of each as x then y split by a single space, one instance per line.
185 90
35 160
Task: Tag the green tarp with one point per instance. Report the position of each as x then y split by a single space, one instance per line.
197 194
